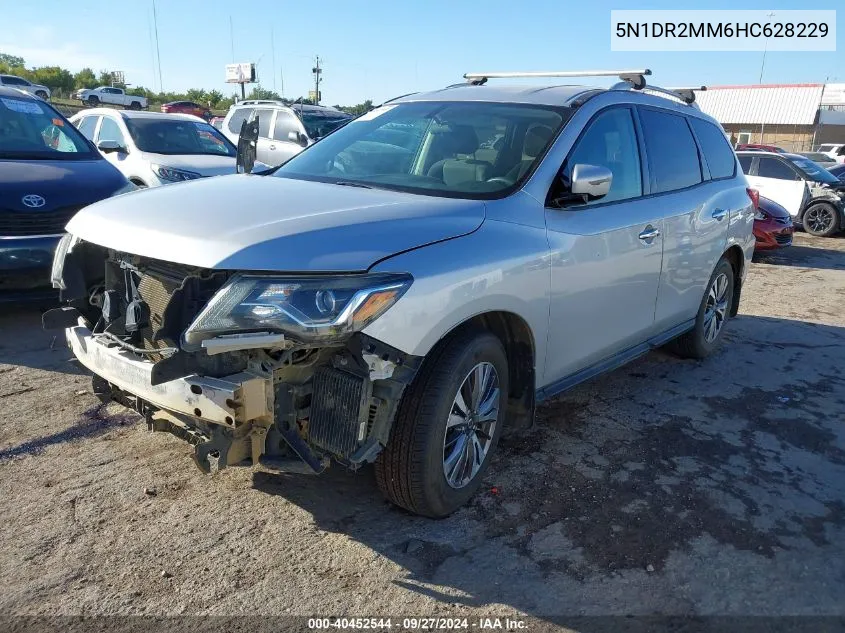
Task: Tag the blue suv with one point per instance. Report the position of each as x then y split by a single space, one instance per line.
48 171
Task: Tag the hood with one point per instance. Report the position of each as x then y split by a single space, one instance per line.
773 209
62 183
267 223
205 164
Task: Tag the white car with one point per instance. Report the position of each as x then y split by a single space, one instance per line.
108 94
835 150
153 148
36 90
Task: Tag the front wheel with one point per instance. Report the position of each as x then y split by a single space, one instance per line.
41 95
447 427
713 314
93 102
821 219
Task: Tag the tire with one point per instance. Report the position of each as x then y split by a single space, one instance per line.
411 471
821 219
93 102
135 105
41 95
697 342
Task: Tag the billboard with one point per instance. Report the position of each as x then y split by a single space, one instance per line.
240 73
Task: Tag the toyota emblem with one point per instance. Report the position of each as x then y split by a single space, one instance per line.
34 201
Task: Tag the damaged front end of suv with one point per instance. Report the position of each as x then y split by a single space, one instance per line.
250 368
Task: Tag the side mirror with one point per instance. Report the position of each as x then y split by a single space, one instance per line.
298 137
247 141
107 147
590 181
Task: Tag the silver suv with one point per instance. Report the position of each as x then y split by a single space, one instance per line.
36 90
414 284
283 130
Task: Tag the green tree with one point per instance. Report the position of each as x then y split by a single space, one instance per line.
11 61
54 77
215 97
104 78
262 93
85 78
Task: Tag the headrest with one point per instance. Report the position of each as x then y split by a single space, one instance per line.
463 138
536 138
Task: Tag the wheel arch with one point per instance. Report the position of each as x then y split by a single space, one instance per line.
516 337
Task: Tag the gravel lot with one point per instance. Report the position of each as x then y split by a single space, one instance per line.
668 486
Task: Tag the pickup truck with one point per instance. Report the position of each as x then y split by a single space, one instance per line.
108 95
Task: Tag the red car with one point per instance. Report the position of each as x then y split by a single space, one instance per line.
187 107
772 223
750 147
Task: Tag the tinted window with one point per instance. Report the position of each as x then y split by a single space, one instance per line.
773 168
264 118
87 125
162 135
745 163
717 152
15 81
238 117
610 141
31 129
672 153
110 131
285 122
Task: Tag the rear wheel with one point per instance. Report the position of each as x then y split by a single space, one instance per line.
821 219
713 313
447 427
135 105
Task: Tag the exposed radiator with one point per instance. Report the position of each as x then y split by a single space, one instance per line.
339 411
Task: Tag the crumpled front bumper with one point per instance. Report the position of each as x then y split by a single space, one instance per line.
227 401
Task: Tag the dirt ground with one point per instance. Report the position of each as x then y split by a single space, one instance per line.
668 486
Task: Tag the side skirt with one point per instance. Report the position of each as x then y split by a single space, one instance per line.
613 362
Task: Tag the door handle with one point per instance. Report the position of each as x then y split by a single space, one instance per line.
649 233
272 147
719 214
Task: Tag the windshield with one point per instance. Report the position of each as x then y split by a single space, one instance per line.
177 136
33 130
814 171
465 149
318 126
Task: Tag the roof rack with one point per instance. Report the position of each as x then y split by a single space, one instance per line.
688 93
636 78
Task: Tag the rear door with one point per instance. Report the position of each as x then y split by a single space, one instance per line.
777 180
265 125
606 254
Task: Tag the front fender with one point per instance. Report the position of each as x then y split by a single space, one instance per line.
502 267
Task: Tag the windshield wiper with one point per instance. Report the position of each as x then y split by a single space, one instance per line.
349 183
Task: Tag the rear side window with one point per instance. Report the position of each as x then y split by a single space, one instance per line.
717 152
773 168
264 117
238 117
672 153
745 163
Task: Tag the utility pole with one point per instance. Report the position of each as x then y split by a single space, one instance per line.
232 38
762 66
273 52
158 54
317 71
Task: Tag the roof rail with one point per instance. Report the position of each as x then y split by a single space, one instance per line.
636 78
688 93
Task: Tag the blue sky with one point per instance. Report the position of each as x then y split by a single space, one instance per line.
375 48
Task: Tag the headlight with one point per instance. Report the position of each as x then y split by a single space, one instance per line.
64 246
309 309
129 186
172 174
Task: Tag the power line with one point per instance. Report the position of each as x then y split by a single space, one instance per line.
158 53
273 49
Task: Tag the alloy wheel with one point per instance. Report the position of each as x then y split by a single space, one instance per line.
819 218
471 425
716 308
